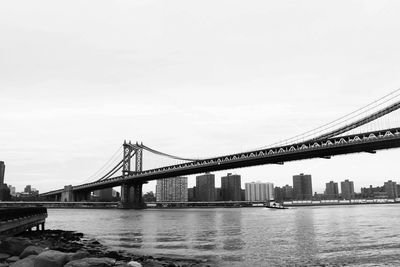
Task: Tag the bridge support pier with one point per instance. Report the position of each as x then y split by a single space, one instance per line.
132 197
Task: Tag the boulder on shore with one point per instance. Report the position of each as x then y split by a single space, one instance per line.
51 258
78 255
92 262
31 250
4 256
14 245
12 259
27 262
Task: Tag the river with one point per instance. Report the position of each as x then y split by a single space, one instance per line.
335 235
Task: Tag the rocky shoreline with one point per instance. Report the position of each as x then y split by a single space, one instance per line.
57 248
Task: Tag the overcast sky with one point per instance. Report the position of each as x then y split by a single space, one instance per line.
191 78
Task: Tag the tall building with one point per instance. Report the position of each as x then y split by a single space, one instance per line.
332 190
259 191
191 196
205 187
391 189
231 187
302 187
218 194
347 188
28 189
172 189
4 190
2 171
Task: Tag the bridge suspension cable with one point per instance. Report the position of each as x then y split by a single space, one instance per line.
165 154
106 165
312 134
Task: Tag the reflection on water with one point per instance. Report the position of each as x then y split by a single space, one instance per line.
345 235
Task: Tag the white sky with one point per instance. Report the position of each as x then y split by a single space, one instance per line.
191 78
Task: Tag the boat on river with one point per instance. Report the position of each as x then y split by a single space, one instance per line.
276 206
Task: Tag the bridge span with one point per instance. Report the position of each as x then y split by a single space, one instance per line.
323 145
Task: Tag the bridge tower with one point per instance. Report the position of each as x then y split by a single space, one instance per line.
131 192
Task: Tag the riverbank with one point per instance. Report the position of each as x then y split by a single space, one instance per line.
57 248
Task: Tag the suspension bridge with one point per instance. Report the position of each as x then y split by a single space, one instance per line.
373 127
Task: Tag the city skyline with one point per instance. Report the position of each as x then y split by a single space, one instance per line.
68 102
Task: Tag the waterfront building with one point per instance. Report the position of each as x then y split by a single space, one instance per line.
12 190
28 189
205 187
302 187
391 189
4 190
218 194
172 189
231 187
284 193
191 196
259 191
347 188
331 190
372 192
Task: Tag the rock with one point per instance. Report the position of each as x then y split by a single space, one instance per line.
51 258
151 263
15 245
78 255
121 264
91 262
27 262
134 264
4 265
12 259
31 250
4 256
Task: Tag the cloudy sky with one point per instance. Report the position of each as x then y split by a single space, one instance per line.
191 78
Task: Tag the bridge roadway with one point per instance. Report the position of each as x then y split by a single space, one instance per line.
355 143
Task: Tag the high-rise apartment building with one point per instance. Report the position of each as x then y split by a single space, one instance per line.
284 193
231 187
332 190
13 191
302 187
259 191
205 187
391 189
347 188
2 171
172 189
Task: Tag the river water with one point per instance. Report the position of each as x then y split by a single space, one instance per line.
335 235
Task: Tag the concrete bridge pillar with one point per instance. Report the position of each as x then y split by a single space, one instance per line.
131 196
67 195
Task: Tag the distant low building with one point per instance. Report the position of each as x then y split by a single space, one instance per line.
284 193
372 192
257 191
